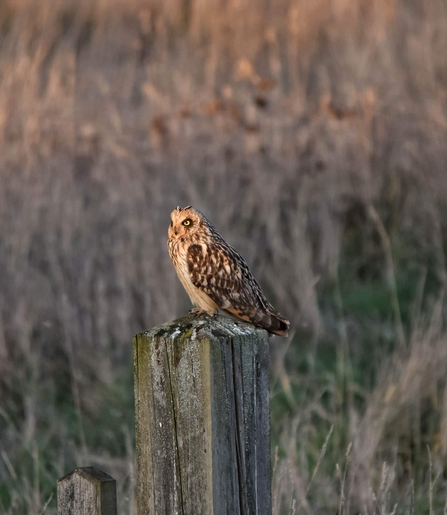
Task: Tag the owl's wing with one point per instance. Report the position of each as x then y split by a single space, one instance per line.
223 274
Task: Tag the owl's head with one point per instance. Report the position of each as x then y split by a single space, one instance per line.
185 222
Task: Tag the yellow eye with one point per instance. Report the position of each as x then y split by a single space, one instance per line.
186 222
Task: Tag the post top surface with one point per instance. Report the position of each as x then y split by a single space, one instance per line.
204 325
91 474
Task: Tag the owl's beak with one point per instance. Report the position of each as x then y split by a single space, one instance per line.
172 232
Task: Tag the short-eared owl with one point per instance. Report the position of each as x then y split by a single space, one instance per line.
214 275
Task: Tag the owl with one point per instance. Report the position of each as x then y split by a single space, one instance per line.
214 275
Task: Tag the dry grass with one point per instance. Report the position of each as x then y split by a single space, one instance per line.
313 135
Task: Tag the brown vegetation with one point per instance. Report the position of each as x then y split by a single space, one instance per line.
313 135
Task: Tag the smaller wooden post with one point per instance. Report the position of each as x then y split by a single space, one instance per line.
202 418
86 491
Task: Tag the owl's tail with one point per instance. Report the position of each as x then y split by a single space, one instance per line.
278 325
270 320
265 316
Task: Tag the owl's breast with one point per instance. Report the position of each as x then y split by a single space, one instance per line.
178 251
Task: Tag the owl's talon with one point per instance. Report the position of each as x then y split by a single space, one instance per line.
195 312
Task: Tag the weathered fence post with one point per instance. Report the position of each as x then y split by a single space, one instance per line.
202 418
86 491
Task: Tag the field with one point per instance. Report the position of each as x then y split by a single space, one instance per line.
314 136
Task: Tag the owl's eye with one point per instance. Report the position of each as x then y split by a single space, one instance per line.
187 222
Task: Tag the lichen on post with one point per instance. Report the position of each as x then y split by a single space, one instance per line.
202 418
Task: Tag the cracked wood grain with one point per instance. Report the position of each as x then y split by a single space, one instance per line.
202 418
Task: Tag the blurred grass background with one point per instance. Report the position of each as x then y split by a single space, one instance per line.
313 135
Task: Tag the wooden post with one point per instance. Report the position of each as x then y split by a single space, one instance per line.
86 491
202 418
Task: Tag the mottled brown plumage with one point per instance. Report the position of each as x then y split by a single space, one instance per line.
214 275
